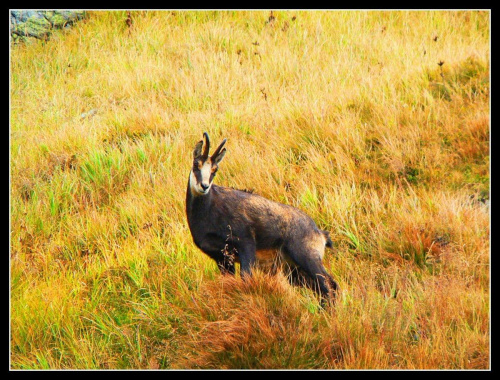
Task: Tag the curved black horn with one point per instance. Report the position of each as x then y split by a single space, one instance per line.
217 151
207 144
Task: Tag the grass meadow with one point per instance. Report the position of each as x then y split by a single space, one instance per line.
376 123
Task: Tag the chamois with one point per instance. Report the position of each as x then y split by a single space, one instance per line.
232 225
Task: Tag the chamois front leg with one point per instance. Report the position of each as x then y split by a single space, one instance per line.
215 248
226 264
246 254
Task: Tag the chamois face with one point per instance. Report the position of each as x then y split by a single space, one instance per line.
204 166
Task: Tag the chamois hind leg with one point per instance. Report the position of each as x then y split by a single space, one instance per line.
321 282
331 285
309 265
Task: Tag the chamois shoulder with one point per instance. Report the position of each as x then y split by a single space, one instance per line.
229 193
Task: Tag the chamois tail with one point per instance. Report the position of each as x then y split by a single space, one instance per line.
328 242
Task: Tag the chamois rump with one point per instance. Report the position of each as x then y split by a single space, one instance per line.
232 225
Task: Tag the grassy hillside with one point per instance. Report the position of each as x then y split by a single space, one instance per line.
374 123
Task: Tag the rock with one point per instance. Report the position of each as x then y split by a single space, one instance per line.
39 24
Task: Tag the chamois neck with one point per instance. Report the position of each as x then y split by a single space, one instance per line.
197 203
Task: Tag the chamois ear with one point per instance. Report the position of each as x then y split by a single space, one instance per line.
197 149
219 157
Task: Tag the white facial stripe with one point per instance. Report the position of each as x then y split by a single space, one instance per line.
206 171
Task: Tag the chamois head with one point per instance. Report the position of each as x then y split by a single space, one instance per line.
204 166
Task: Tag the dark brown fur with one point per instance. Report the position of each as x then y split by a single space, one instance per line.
256 229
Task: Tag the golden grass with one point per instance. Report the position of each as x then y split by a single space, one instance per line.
344 114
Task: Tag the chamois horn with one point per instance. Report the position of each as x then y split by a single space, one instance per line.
207 144
217 151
